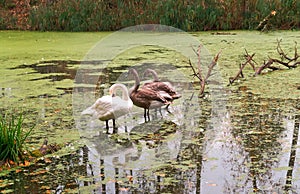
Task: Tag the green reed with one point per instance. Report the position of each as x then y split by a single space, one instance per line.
198 15
12 138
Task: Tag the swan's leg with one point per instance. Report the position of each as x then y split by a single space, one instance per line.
156 110
159 109
107 127
148 115
114 126
145 116
167 107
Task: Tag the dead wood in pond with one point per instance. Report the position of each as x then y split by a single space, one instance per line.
263 25
242 66
199 73
285 60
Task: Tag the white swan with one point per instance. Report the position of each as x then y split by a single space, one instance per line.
111 106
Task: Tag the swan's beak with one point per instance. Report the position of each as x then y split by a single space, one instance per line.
112 94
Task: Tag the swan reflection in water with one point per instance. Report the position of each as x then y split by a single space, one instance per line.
123 155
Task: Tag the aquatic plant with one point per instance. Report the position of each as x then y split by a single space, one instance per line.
12 138
92 15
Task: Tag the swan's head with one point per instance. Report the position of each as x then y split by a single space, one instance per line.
89 111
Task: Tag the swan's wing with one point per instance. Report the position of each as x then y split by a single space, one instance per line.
121 107
150 95
160 86
101 109
165 95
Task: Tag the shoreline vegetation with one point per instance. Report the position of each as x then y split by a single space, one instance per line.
199 15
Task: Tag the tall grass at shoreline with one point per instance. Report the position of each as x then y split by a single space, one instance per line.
12 138
198 15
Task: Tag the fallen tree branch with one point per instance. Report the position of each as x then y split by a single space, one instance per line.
263 25
240 72
264 66
289 62
251 62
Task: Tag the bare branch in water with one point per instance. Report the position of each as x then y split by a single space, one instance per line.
289 62
199 74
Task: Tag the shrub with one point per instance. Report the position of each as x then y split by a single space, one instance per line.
12 138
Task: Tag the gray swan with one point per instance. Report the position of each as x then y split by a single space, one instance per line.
145 97
159 86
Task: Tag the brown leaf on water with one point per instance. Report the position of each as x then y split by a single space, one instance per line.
38 172
18 170
47 160
212 184
130 178
45 187
123 189
25 163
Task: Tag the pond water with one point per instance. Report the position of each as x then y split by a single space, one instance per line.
234 140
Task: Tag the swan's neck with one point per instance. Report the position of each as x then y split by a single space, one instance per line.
154 74
125 94
137 81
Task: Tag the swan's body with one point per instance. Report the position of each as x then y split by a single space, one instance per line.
165 88
111 106
145 97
